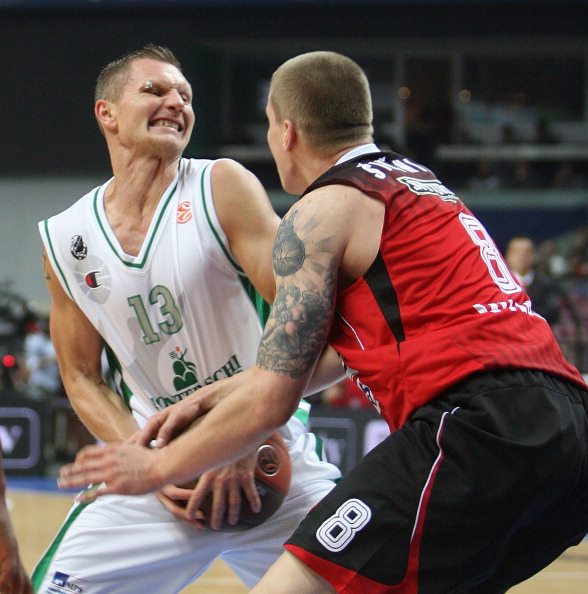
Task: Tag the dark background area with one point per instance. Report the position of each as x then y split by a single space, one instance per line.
51 53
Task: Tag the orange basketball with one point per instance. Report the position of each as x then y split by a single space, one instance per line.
273 473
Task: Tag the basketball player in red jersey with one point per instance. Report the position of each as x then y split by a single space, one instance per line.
484 478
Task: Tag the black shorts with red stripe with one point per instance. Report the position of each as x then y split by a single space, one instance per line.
478 491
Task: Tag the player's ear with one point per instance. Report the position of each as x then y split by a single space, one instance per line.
289 135
104 114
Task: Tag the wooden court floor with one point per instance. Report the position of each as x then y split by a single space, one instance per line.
38 514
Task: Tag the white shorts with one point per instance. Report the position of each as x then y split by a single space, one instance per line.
132 544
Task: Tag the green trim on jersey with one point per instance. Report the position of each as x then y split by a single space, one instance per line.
261 305
121 257
50 243
42 566
118 385
211 225
303 412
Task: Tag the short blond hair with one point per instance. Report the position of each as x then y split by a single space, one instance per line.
327 96
112 77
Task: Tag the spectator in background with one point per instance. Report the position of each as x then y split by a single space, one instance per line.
547 296
578 256
41 361
550 262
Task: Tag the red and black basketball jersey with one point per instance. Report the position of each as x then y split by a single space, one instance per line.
438 303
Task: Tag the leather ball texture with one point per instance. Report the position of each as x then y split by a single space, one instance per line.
273 473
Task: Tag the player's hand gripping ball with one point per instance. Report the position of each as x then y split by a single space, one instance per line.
273 473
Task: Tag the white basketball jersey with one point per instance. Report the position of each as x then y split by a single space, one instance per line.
177 316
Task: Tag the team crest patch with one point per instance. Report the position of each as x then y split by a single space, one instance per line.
184 212
78 248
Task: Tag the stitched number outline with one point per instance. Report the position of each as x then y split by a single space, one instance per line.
340 529
497 267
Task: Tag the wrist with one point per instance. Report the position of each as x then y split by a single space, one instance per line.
156 469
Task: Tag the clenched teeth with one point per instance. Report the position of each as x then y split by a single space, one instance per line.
166 124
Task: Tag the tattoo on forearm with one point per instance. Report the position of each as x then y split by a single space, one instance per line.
297 329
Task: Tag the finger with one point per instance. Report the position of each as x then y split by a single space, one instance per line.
217 512
234 504
251 494
176 493
179 511
150 430
175 422
73 478
199 493
92 493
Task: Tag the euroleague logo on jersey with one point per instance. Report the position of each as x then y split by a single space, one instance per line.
184 212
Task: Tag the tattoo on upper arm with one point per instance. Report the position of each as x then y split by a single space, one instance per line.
288 248
298 327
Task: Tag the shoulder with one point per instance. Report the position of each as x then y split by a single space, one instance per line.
334 203
76 212
238 195
228 175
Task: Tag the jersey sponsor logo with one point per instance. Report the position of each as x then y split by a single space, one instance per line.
62 583
184 212
94 279
337 531
424 187
184 371
185 377
78 249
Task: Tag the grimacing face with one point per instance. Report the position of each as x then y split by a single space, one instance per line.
155 108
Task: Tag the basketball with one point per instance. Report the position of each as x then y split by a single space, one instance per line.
273 472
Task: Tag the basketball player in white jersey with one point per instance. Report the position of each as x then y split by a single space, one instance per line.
159 266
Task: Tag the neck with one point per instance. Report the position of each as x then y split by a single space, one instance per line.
139 183
318 163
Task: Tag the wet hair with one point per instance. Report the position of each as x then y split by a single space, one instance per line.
327 96
111 79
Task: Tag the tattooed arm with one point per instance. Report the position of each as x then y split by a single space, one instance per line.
311 243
